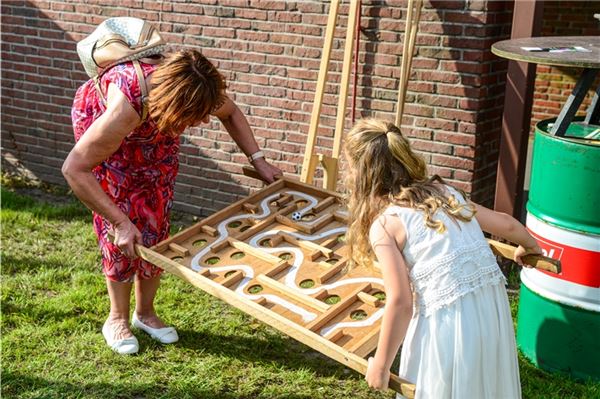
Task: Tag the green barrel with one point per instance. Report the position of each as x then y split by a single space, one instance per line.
558 337
565 178
558 325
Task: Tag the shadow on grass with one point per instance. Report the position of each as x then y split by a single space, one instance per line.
16 384
29 264
263 348
68 211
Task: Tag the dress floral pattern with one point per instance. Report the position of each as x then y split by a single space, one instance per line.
139 177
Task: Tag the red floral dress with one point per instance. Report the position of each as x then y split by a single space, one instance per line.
139 177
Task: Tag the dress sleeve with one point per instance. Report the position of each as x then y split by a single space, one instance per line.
125 78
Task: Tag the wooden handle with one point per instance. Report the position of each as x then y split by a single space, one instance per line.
537 261
401 386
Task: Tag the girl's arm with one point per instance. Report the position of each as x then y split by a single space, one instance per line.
387 236
238 128
509 228
98 143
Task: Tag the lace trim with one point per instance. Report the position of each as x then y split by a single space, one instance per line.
478 252
430 297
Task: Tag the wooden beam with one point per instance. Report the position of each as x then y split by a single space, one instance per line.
293 293
367 344
233 279
331 270
257 253
324 204
336 309
309 162
178 249
295 225
410 33
330 180
369 299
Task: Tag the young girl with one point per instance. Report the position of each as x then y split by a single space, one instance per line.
445 292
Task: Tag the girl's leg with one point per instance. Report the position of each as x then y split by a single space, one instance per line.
145 291
118 319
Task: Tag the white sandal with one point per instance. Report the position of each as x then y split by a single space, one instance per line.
165 335
125 346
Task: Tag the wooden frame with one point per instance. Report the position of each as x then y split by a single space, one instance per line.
254 243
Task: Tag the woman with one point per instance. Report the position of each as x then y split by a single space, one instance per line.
124 168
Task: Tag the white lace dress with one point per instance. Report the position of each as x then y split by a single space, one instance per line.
460 342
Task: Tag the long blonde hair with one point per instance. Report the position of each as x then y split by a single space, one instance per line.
384 170
185 89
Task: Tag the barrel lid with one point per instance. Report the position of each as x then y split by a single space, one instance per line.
577 131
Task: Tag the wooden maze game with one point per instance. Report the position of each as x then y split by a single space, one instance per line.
280 256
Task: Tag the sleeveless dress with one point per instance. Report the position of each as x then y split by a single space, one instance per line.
139 177
460 342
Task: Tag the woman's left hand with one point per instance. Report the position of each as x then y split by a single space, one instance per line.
267 172
377 376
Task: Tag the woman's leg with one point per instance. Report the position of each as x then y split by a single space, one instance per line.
118 319
145 291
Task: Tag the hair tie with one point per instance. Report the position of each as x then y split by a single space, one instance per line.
387 135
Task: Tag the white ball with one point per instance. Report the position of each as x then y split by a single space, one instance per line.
296 216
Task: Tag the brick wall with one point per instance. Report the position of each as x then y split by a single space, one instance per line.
554 84
270 53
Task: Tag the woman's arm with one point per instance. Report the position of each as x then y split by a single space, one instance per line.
238 128
98 143
387 236
509 228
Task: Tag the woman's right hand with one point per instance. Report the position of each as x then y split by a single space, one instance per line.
522 251
126 238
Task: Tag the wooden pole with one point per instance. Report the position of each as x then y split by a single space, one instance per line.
310 163
410 34
331 174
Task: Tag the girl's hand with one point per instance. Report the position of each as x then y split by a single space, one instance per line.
267 171
377 376
521 251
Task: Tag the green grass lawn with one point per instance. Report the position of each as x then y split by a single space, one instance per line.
54 302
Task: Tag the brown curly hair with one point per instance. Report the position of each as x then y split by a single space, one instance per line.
186 87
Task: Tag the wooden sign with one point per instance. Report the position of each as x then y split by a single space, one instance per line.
280 256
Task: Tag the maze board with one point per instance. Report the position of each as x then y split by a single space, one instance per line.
280 256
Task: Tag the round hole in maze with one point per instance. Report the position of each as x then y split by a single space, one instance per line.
212 261
255 289
266 243
358 315
244 228
308 217
235 224
380 295
341 238
237 255
286 256
301 203
177 258
308 283
200 243
229 273
332 261
332 299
